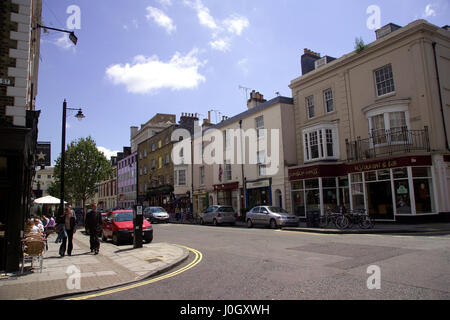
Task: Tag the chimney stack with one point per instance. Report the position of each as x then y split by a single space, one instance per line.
133 132
256 98
308 59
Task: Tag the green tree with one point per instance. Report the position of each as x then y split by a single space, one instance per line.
85 166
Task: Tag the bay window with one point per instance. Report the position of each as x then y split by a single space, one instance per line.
321 143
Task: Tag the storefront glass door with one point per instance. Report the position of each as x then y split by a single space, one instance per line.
258 197
379 200
312 194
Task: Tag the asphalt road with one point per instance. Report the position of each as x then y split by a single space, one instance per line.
263 264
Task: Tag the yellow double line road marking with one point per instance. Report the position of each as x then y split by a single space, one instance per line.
198 258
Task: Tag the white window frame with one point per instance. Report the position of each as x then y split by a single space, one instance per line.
259 125
177 178
261 159
376 83
310 106
321 131
202 176
329 98
386 111
228 171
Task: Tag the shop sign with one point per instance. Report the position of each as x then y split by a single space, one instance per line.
43 154
376 166
402 190
258 184
227 186
392 163
4 81
304 173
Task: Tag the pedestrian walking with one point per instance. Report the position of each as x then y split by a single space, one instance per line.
70 224
50 226
93 224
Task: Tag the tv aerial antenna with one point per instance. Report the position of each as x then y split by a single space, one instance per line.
246 90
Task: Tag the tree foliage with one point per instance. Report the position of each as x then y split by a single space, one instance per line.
359 44
85 166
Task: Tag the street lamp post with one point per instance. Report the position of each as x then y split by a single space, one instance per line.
79 116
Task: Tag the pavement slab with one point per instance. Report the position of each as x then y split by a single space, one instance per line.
113 266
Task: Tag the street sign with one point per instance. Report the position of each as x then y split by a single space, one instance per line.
5 82
139 210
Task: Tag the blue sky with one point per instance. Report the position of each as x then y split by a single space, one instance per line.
135 58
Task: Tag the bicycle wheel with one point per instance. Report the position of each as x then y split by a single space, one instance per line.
342 222
366 223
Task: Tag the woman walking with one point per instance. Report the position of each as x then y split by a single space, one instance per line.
70 223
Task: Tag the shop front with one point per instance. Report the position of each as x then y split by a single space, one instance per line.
161 197
201 201
228 194
388 189
259 193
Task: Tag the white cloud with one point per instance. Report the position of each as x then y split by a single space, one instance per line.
108 153
235 24
243 65
204 17
429 11
161 19
64 43
222 31
221 44
146 75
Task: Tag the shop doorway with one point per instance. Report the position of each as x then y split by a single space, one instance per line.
379 200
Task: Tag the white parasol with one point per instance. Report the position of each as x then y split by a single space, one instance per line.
48 200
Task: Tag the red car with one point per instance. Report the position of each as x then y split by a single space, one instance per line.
118 226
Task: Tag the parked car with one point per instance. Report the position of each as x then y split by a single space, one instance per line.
219 215
156 214
270 216
118 226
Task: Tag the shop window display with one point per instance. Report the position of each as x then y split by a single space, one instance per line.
329 193
402 196
312 194
423 190
357 191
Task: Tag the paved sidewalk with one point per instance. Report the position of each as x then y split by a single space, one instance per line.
386 228
383 228
113 266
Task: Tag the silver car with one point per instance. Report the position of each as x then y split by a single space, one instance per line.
270 216
156 214
219 215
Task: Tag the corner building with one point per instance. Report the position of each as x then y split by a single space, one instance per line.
19 64
373 127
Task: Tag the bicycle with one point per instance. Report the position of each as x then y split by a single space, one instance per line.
328 218
359 217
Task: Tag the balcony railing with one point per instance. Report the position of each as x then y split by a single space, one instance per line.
388 142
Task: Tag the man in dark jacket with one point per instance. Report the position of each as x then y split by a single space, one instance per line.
93 223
